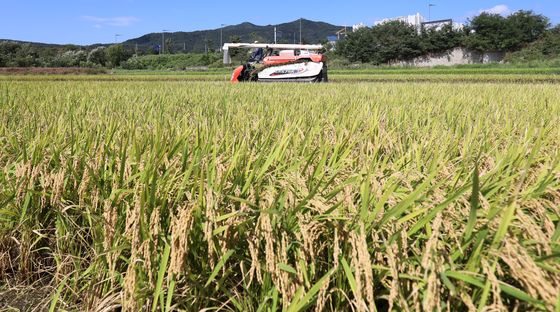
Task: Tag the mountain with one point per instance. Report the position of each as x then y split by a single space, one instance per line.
54 46
199 41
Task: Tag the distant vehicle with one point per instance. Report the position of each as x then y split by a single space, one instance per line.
279 63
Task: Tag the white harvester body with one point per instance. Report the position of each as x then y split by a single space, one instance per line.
279 62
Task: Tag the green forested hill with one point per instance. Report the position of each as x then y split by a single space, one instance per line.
198 41
15 53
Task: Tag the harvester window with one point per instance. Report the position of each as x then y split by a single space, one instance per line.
257 55
269 52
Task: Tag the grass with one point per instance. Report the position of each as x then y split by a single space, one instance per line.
334 77
486 69
445 70
461 74
190 195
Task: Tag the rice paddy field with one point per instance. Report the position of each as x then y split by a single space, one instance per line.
402 191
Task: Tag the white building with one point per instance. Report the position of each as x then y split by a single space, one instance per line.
358 26
414 20
438 25
419 22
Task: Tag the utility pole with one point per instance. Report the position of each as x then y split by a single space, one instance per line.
430 11
163 41
274 34
116 36
221 36
300 41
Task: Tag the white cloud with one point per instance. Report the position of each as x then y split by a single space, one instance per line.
119 21
500 9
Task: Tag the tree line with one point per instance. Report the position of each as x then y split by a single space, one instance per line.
397 40
15 54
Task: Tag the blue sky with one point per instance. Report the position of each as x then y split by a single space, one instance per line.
93 21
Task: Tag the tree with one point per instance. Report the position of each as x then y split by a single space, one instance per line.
71 58
9 52
208 43
116 54
381 44
548 47
400 41
523 27
435 41
495 32
16 54
255 37
551 42
236 55
359 46
97 56
486 32
169 46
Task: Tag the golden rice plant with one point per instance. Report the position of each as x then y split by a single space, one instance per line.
181 195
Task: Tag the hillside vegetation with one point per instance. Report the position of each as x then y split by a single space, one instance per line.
173 61
545 50
209 40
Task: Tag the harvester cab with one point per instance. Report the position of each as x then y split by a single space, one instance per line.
279 63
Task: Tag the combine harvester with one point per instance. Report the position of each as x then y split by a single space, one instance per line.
279 63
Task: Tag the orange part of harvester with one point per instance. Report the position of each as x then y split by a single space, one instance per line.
281 59
236 74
